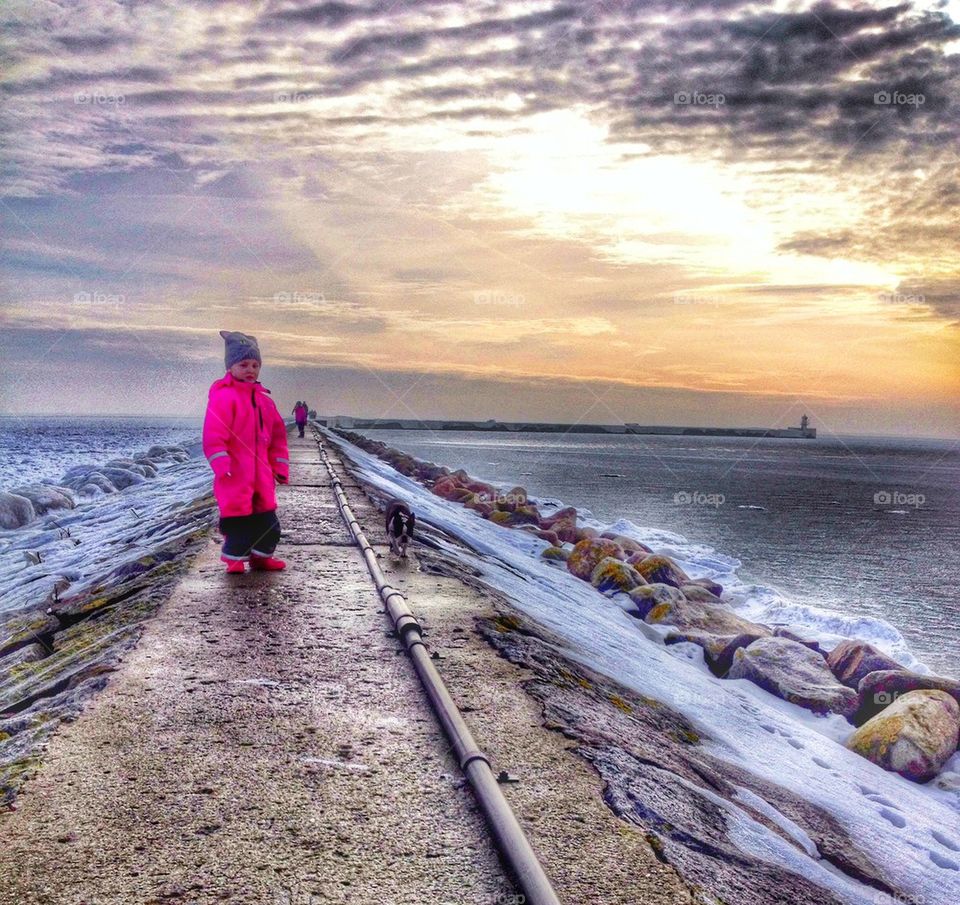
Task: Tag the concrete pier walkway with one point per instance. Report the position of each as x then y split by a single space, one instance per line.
268 742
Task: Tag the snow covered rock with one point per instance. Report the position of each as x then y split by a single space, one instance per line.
146 471
15 510
851 661
914 736
46 496
795 673
100 481
121 477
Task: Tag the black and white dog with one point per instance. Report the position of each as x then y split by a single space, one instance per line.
400 522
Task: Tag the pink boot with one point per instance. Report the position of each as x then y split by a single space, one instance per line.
233 565
265 563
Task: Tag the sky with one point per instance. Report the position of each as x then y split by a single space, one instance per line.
713 213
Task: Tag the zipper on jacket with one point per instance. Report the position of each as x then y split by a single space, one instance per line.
256 448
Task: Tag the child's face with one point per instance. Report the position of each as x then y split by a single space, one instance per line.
247 370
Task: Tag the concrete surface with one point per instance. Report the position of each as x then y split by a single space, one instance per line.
268 742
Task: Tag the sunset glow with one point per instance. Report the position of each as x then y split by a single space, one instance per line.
442 210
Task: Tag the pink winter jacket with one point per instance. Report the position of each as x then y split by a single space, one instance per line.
245 442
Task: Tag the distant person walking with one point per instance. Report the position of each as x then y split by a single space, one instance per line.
300 413
245 442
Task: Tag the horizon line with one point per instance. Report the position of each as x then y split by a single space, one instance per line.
199 417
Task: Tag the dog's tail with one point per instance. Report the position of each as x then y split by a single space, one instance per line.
410 523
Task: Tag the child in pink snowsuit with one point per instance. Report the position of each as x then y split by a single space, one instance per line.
245 442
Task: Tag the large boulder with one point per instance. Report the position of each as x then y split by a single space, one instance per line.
647 596
587 553
77 471
658 569
914 736
712 586
852 661
447 487
615 575
513 499
566 529
568 512
121 477
878 690
783 632
46 496
795 673
693 618
700 593
477 504
563 522
628 543
550 536
15 510
519 517
103 483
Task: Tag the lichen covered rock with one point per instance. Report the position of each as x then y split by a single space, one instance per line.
914 736
615 575
657 569
647 596
694 618
587 553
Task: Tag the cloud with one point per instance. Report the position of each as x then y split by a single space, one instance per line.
215 151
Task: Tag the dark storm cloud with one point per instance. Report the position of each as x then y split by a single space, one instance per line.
94 42
786 79
319 14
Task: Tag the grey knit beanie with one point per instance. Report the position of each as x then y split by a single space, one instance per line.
239 347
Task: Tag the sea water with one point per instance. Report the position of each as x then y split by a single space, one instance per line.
854 527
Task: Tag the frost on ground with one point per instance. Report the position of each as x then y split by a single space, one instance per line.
75 587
